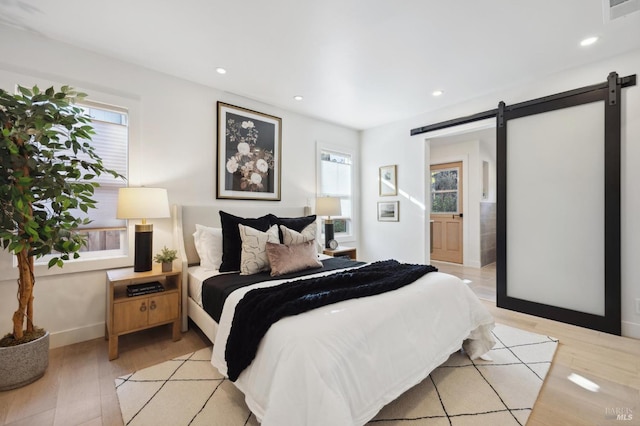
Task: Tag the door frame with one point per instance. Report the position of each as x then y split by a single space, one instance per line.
460 137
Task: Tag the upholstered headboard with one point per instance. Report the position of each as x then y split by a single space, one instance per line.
186 218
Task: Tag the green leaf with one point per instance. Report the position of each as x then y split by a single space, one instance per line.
16 246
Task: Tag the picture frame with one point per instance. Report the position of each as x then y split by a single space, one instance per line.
387 179
388 211
248 154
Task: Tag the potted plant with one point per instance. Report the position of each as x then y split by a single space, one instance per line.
47 167
166 257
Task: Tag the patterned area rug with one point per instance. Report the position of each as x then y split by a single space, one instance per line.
188 390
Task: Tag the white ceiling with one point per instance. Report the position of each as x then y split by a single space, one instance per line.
359 63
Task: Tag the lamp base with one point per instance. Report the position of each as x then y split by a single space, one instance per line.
142 260
328 232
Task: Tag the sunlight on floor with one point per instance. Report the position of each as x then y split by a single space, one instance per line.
481 280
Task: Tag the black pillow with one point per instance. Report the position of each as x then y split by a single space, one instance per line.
295 223
231 242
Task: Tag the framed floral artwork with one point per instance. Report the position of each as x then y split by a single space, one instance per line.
388 180
249 144
388 211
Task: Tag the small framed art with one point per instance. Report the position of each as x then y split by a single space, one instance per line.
388 211
388 180
249 154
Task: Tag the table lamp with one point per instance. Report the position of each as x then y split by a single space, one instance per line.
328 206
143 203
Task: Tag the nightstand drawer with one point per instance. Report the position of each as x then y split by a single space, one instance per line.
130 315
163 308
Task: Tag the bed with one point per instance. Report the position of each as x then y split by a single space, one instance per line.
340 363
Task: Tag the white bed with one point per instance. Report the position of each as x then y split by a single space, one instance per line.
184 220
340 364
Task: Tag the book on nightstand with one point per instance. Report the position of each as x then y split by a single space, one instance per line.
144 288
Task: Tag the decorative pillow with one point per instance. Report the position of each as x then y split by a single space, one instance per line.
208 242
231 242
295 223
297 257
253 258
289 236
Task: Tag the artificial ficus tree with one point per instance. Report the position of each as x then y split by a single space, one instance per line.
47 167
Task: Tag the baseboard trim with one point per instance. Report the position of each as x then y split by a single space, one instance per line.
76 335
631 329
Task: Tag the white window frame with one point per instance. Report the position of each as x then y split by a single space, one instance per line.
341 237
99 254
97 260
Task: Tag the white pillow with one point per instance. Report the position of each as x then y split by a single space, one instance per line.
290 237
253 258
208 242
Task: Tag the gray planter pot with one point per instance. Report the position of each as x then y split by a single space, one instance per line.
23 364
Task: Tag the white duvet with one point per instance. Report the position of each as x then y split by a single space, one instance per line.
340 364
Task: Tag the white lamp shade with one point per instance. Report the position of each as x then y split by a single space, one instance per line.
142 203
328 206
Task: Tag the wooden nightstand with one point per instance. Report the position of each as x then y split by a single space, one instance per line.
341 251
128 314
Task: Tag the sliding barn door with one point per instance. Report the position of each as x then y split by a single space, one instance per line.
559 206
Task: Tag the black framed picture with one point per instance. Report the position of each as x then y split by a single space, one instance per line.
249 154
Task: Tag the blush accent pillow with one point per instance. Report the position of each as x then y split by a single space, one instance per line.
231 242
295 223
297 257
289 236
253 258
208 242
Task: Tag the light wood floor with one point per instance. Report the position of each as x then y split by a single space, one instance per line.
481 280
78 388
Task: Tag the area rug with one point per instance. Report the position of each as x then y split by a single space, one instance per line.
188 390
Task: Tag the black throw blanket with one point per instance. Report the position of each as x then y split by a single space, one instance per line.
216 289
262 307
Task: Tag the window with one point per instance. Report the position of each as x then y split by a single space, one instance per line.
335 177
444 190
105 232
106 235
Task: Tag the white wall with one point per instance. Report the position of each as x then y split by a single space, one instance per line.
410 235
406 240
172 145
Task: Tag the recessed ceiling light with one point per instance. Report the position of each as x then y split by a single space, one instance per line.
298 98
437 93
221 70
588 41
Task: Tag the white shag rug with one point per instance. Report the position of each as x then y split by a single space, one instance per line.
188 390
